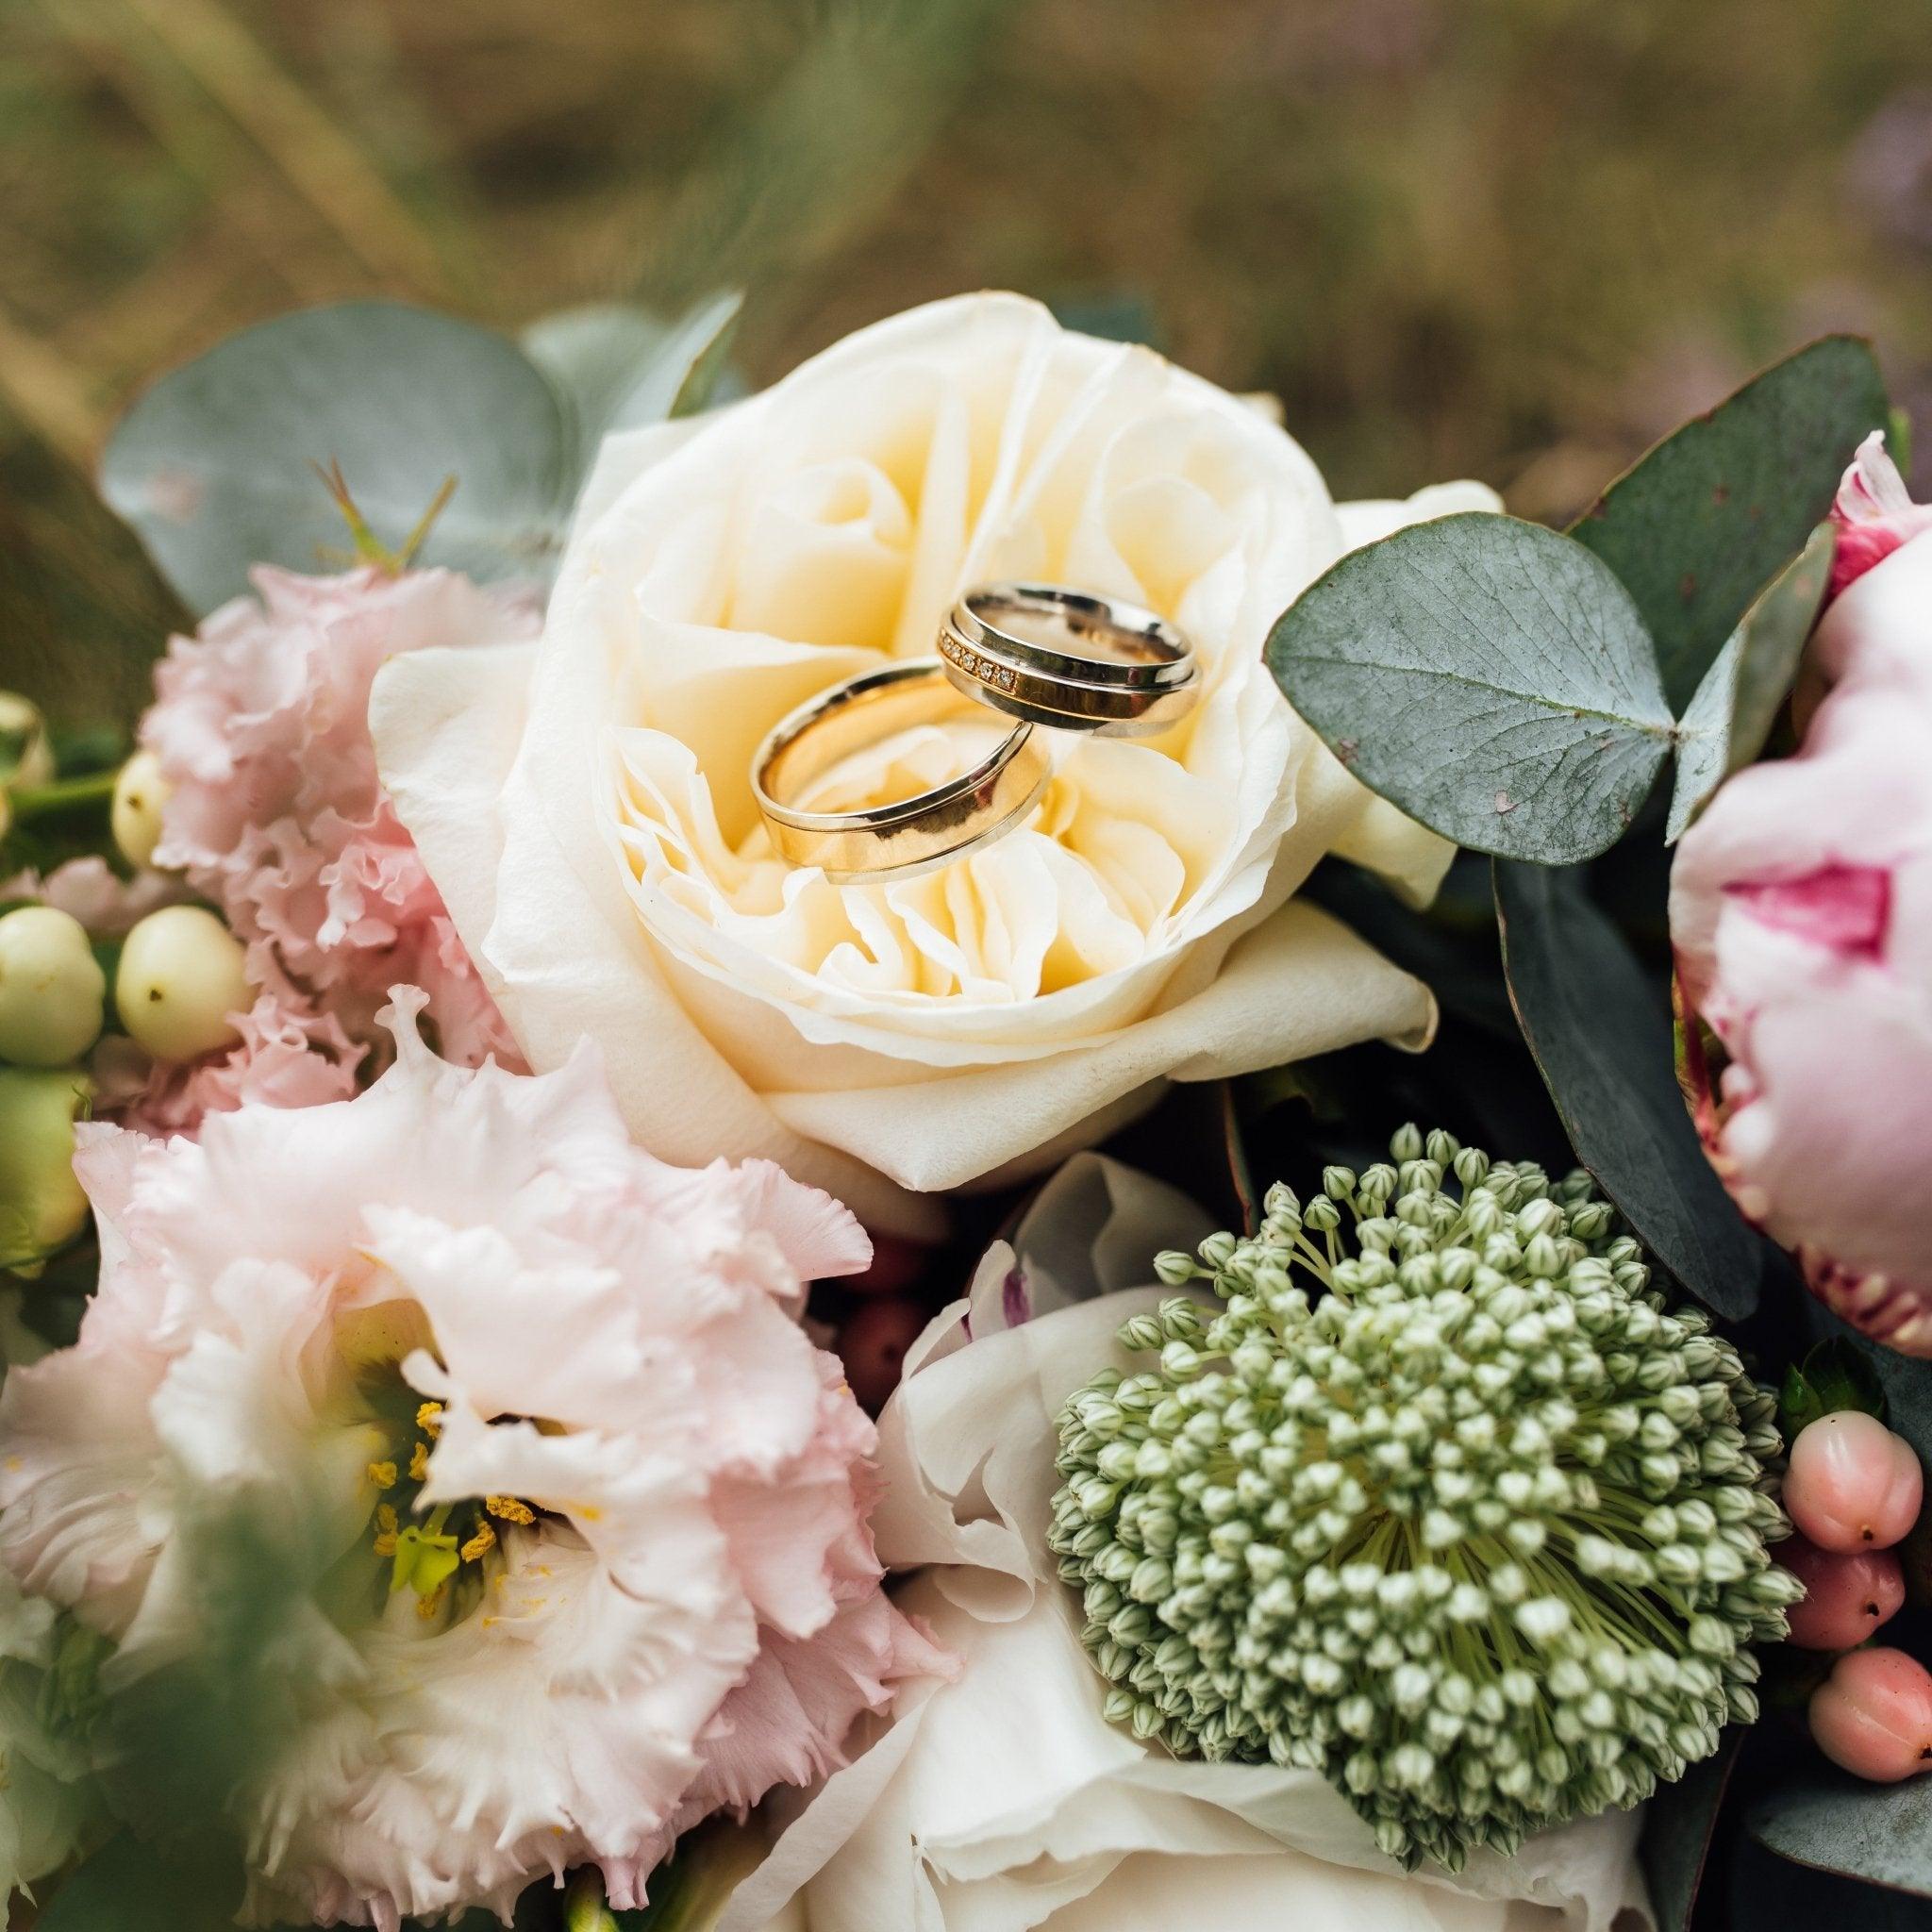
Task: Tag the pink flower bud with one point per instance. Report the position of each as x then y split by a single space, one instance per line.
1875 513
1800 947
871 1343
1872 1716
1846 1598
1853 1485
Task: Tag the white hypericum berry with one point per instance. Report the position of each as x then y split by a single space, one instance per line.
1455 1510
42 1206
135 816
27 755
51 987
181 982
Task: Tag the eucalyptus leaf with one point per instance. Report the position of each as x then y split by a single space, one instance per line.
1836 1823
1773 1894
1601 1035
215 464
619 368
1697 527
1677 1828
125 1885
1490 676
1726 722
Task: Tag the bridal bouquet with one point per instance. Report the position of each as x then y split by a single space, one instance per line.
913 1153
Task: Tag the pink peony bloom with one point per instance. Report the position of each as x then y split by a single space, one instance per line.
261 727
1875 513
1801 910
585 1507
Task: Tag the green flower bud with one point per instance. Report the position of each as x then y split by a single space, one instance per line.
42 1206
51 987
1486 1441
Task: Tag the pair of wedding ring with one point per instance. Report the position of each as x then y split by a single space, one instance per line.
1040 654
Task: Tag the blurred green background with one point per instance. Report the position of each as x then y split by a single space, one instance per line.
1513 239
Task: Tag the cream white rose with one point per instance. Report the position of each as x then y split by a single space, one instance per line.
1002 1801
593 831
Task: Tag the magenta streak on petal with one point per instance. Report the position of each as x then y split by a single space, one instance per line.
1844 907
1015 1303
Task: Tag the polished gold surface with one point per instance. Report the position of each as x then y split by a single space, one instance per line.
1069 660
908 835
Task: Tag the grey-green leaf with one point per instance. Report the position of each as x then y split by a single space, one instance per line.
1837 1822
1601 1034
213 465
1699 526
1490 676
619 368
1727 722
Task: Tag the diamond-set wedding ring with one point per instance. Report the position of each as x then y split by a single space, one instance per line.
1040 654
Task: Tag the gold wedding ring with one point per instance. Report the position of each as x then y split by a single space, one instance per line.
1070 659
911 835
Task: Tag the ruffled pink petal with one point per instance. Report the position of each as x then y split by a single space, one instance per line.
1875 513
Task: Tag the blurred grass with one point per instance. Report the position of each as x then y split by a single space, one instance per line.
1516 239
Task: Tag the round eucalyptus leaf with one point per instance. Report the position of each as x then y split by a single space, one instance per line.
1836 1823
216 465
1490 676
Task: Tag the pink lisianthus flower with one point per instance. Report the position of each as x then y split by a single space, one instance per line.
577 1511
275 812
1801 913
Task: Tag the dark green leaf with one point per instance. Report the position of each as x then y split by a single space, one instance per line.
1727 723
1601 1035
1677 1827
124 1886
1836 1376
1488 676
1837 1822
215 466
1698 526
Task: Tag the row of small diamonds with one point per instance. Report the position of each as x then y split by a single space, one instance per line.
974 665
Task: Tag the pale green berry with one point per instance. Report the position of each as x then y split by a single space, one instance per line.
135 816
181 982
51 987
27 756
42 1206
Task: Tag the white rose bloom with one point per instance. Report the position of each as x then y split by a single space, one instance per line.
1002 1801
591 827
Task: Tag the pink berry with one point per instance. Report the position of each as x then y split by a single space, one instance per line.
1846 1598
896 1263
871 1343
1853 1485
1873 1715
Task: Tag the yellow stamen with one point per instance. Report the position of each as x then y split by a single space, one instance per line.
385 1526
385 1544
430 1418
479 1544
383 1474
510 1509
427 1606
419 1463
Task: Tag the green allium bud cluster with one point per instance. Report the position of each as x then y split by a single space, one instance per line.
1440 1501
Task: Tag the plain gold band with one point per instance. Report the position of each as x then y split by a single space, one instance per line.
911 835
